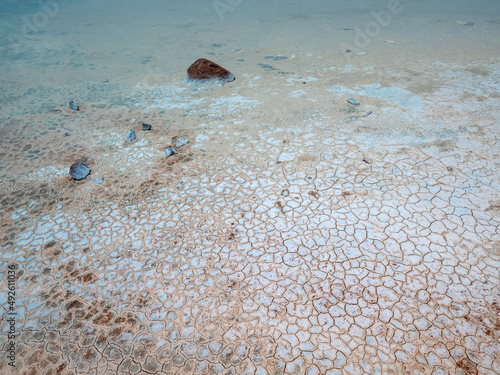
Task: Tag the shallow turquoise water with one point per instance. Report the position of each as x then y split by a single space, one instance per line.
55 49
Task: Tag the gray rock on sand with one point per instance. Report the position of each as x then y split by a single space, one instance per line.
131 136
169 151
178 142
79 170
353 101
146 127
74 106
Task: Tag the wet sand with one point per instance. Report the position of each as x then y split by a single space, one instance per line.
295 233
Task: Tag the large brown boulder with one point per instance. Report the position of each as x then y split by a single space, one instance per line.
204 71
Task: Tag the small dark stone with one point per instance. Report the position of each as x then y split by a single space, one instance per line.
105 80
348 51
353 101
131 136
56 110
73 106
67 134
79 171
303 83
146 127
367 114
449 168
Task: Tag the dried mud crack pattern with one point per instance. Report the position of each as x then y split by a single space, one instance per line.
319 263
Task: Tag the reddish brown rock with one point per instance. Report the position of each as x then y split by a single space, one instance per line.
205 71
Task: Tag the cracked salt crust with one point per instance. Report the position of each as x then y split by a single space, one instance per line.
321 263
46 173
395 95
232 103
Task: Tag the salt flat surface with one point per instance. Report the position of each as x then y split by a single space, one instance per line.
295 233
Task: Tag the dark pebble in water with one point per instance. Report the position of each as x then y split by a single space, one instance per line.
56 110
367 114
79 171
146 127
169 151
131 136
73 106
348 51
353 101
449 168
67 134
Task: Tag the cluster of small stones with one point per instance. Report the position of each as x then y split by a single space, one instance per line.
305 249
323 264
